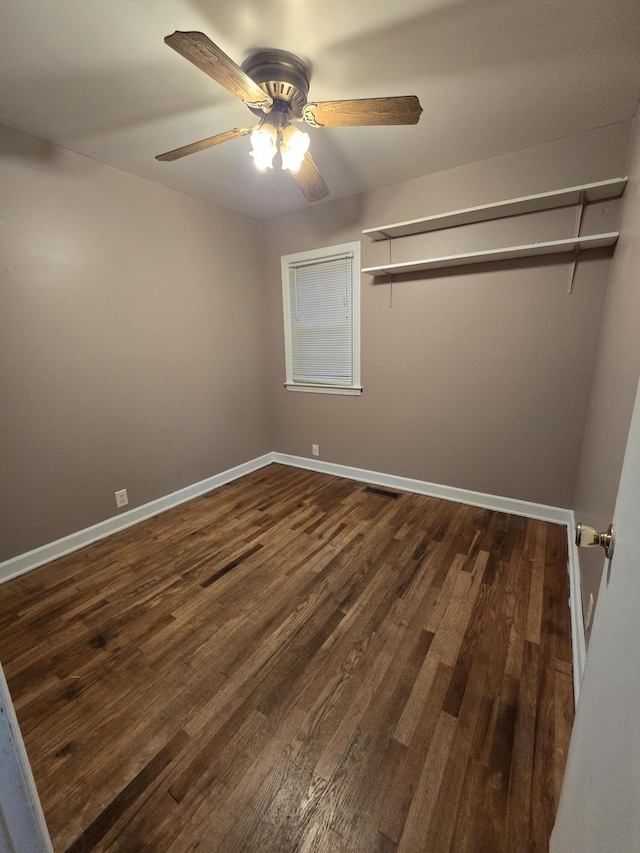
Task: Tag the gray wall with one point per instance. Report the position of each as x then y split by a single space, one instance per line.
478 377
131 341
614 382
141 340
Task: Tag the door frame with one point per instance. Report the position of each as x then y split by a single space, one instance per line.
22 825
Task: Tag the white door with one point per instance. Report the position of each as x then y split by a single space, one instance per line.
600 803
22 826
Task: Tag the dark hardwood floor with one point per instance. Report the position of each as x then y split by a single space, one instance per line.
292 663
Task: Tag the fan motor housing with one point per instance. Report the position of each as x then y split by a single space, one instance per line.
282 75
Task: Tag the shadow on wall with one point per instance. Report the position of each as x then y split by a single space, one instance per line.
15 145
332 222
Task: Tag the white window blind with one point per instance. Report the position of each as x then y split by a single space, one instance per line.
322 319
321 308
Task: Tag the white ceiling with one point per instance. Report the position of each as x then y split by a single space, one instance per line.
492 76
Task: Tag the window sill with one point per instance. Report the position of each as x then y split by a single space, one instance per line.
345 390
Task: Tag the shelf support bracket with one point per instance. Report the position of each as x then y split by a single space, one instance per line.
576 251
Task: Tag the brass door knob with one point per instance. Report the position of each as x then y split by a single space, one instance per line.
587 536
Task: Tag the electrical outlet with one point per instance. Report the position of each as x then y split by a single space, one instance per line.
121 498
315 450
589 612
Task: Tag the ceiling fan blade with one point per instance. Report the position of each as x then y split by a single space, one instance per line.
405 109
209 142
208 57
310 180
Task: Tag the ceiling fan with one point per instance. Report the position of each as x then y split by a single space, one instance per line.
274 84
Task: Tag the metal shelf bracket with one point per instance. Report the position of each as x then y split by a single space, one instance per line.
576 251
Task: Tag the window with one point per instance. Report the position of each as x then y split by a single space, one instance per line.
321 301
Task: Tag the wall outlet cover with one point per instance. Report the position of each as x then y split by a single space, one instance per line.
315 450
121 498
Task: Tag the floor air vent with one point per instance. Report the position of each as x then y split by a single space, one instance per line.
383 493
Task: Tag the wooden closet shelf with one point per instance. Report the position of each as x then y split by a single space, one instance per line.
549 247
598 191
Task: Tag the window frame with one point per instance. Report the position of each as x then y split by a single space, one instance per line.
286 261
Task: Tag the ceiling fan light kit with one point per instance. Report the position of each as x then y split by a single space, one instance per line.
263 143
294 145
274 84
276 133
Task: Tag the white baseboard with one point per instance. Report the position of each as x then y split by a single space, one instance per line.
46 553
434 490
557 515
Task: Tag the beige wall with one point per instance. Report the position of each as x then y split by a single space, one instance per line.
615 380
478 377
131 341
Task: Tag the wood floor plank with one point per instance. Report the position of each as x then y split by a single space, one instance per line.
394 811
518 818
426 796
94 833
298 664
